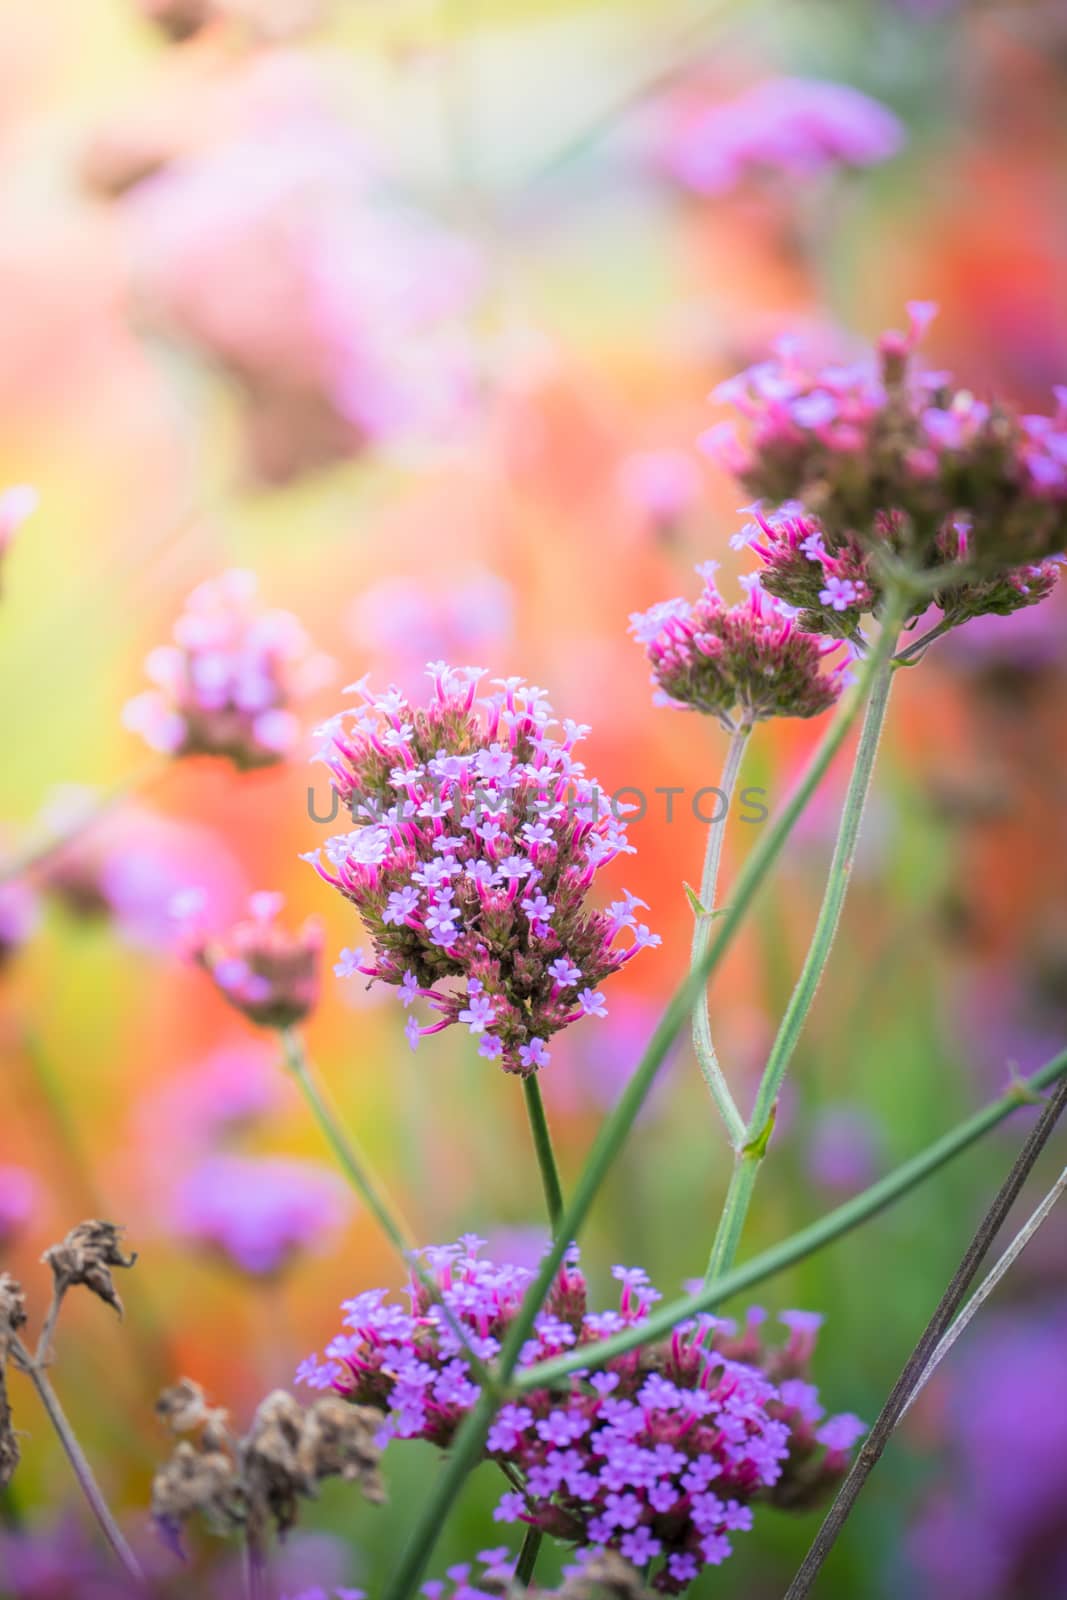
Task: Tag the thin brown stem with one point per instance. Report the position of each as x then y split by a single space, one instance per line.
77 1458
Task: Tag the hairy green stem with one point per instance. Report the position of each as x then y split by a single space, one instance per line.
707 1059
761 1123
546 1157
466 1450
843 1219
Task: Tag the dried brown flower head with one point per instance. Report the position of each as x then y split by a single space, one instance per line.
606 1577
260 1480
86 1257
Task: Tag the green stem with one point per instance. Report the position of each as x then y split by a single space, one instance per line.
466 1450
800 1245
707 1059
546 1159
524 1566
344 1149
761 1123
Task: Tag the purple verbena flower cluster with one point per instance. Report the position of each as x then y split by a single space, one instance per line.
746 661
227 685
876 458
16 504
270 975
479 835
658 1455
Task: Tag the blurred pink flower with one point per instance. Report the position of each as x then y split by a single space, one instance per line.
130 864
223 1094
19 911
18 1197
660 486
337 313
271 976
227 685
260 1212
796 127
408 621
16 504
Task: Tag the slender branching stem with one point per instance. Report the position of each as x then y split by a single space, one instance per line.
757 1135
33 1369
843 1219
919 1360
707 1059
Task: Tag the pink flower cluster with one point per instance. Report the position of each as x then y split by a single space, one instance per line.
268 974
874 458
18 1199
227 685
658 1455
480 835
743 662
798 127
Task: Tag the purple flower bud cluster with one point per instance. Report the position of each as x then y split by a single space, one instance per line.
876 458
742 662
479 836
268 974
227 685
658 1455
258 1212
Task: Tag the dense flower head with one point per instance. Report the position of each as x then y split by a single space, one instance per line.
272 976
657 1455
478 837
259 1212
739 663
228 683
876 458
797 127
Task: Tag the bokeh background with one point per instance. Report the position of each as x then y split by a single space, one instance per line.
414 309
